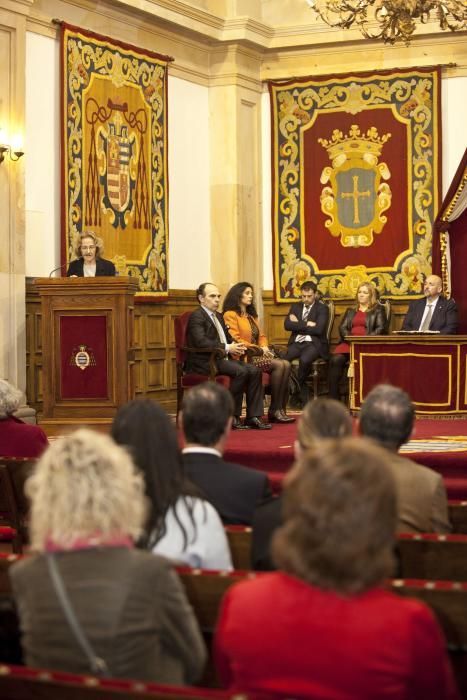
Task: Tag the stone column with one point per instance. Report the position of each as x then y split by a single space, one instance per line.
235 164
12 221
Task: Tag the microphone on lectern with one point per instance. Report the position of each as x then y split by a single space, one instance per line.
56 269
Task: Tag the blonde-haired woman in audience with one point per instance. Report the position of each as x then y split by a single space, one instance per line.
352 638
87 508
17 439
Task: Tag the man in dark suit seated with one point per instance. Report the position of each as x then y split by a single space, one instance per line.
233 490
434 312
207 330
307 320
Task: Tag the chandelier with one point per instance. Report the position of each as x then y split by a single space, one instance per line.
396 18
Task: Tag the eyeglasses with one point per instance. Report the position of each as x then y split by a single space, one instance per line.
88 247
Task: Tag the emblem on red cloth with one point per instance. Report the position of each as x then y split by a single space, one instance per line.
82 357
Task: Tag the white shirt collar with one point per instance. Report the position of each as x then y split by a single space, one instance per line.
201 450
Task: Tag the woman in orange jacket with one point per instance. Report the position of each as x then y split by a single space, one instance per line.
241 318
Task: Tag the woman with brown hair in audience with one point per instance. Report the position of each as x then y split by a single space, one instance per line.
366 317
321 418
241 318
87 509
324 625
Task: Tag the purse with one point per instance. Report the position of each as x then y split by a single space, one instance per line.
96 663
262 362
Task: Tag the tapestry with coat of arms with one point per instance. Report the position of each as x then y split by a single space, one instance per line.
114 154
355 181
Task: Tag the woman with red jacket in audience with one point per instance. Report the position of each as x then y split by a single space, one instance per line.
324 626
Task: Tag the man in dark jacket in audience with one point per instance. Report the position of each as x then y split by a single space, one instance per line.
233 490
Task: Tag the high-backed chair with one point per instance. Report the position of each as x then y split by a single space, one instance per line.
386 304
185 379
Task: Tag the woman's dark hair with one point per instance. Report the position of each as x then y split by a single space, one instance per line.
233 296
150 436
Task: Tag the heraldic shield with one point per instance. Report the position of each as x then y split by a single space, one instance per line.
355 198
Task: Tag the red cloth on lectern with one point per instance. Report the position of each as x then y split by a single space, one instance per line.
92 382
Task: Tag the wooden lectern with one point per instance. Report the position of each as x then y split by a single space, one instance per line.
87 343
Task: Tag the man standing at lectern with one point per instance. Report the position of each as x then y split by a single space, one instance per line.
434 312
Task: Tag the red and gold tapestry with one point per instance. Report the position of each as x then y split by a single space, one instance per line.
356 181
114 155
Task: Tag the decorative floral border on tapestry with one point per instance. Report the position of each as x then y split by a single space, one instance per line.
355 181
114 155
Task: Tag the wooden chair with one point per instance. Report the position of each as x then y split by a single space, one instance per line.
239 538
433 557
185 380
458 516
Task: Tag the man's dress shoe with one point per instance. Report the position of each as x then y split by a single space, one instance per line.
257 424
279 417
238 425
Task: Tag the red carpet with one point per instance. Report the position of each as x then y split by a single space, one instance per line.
439 444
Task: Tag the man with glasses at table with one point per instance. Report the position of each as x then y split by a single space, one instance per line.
207 330
434 312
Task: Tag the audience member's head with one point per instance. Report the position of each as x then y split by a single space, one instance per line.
207 410
387 416
10 399
84 487
323 418
150 436
340 517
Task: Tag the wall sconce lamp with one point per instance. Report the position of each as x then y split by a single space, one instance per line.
13 149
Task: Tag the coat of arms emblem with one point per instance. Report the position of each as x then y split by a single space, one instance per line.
356 196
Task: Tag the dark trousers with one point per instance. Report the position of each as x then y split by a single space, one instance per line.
244 378
307 354
337 365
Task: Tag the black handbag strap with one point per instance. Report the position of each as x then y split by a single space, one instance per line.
97 664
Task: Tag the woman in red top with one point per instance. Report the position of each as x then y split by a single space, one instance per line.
367 317
325 626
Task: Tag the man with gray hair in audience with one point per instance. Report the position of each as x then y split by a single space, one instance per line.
387 416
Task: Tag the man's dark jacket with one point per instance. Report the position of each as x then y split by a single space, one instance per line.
444 317
232 489
319 313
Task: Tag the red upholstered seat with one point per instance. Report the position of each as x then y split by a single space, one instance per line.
185 380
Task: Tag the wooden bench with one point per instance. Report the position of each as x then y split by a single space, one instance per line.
22 683
441 557
205 590
458 516
240 539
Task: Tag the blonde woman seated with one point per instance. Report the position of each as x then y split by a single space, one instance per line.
367 317
352 638
87 508
241 319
